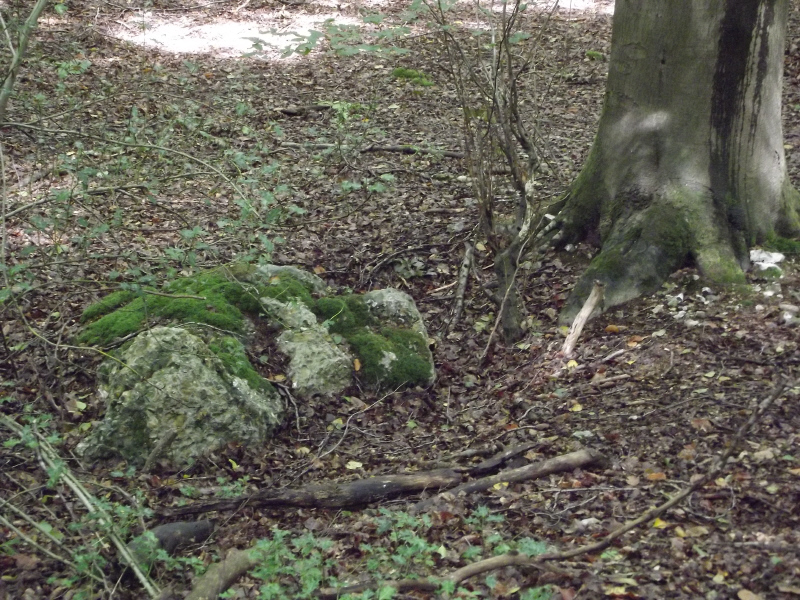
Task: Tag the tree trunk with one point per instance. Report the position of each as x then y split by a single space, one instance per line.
688 163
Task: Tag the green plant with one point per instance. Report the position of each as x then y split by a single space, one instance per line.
413 76
400 548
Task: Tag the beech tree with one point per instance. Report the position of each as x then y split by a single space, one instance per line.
688 162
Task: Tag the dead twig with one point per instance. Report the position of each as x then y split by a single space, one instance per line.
595 298
463 278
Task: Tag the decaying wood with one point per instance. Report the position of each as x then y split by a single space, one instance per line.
364 491
220 576
335 495
169 537
558 464
595 298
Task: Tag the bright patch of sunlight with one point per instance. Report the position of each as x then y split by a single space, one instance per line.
227 38
222 37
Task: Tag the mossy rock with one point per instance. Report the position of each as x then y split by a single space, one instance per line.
233 356
394 357
345 315
390 356
225 294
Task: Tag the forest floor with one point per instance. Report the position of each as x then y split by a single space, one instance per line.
659 386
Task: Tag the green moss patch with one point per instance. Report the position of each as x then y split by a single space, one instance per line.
107 304
345 315
231 352
783 245
391 356
224 296
395 357
412 75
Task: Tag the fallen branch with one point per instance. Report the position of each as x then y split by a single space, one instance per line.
170 538
595 298
506 560
220 576
297 111
334 495
558 464
372 489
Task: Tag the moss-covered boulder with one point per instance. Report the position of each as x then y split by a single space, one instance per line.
168 379
322 335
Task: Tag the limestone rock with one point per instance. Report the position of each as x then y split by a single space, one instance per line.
169 378
316 364
309 280
393 307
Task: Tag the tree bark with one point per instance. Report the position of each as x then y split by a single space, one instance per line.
688 163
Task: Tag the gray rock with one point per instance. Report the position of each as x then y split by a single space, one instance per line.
169 379
289 315
316 364
393 307
309 280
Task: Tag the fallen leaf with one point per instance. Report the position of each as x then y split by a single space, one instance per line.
612 329
688 453
575 408
356 365
319 270
696 531
789 589
659 524
353 465
657 476
702 424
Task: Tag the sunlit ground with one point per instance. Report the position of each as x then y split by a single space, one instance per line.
183 33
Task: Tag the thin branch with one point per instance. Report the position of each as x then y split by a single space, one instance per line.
24 37
53 464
